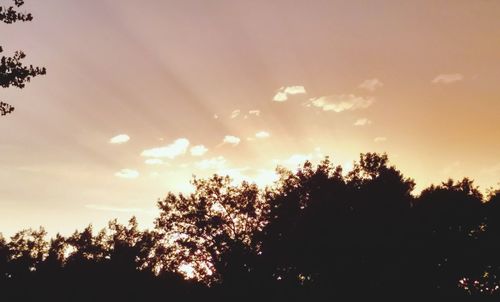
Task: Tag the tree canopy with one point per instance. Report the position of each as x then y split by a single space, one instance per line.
319 233
12 70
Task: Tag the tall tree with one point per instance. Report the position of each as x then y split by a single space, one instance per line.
212 229
330 234
12 70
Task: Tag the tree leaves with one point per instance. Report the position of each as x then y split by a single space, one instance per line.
12 71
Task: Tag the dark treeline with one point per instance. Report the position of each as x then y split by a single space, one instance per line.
319 234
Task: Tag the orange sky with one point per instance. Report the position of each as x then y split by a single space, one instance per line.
140 95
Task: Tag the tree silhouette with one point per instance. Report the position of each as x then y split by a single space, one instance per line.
328 234
212 230
318 234
12 70
448 217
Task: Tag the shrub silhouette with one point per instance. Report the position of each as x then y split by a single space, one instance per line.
318 234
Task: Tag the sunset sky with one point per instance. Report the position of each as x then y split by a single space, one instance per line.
140 95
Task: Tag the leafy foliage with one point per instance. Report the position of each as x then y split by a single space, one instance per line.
207 228
12 70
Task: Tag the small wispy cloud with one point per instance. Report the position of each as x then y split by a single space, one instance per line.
231 140
127 173
119 139
153 161
380 139
343 102
371 84
198 150
448 78
218 162
235 114
254 112
178 147
284 92
262 134
362 122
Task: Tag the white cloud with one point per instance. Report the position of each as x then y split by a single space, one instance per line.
235 113
218 162
343 102
371 84
280 97
284 92
127 173
178 147
262 134
198 150
380 139
216 116
362 122
119 139
153 161
254 112
295 90
232 140
448 78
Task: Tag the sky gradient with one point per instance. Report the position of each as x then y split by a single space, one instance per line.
141 95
